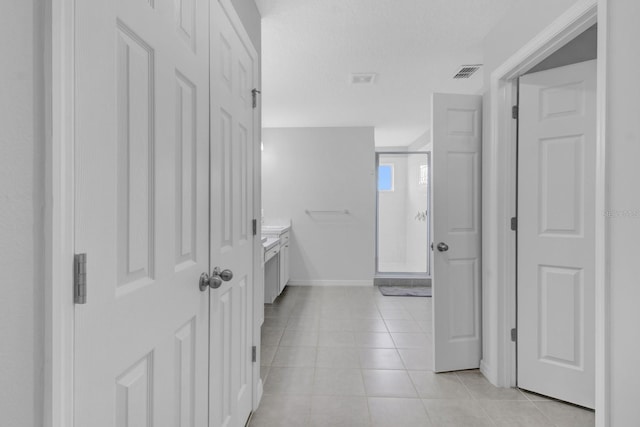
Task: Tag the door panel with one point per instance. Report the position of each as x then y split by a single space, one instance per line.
556 222
141 212
457 137
232 240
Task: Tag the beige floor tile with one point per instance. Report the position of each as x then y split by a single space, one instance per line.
295 357
335 324
368 325
292 381
282 411
299 338
396 412
395 314
417 359
327 388
374 340
564 415
267 352
342 411
271 336
536 397
463 413
403 326
336 339
482 391
380 358
388 383
337 357
340 382
515 413
303 323
264 372
438 386
412 340
275 322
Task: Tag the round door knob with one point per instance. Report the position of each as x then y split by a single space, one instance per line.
225 275
206 281
442 247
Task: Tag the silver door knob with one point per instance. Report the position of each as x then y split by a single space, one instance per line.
225 275
205 282
215 280
442 247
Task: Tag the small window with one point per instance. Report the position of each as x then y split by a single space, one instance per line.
423 179
385 178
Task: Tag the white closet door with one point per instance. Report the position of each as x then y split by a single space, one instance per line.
556 233
141 212
232 240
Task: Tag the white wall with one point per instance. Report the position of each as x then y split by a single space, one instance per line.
323 169
21 214
623 174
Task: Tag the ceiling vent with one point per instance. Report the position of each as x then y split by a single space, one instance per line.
363 78
466 71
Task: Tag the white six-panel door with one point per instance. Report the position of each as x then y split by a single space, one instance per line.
141 212
232 240
456 163
556 226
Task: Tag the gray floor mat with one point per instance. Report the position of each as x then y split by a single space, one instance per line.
405 291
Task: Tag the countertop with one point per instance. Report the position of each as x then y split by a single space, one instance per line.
270 242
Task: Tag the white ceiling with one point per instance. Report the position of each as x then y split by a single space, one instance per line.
310 48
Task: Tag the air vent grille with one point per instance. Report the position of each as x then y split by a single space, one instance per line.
466 71
362 78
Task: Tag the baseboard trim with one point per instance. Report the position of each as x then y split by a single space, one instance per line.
489 373
330 283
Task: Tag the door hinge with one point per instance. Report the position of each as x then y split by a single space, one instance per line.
254 97
514 112
514 335
254 224
80 278
514 224
254 354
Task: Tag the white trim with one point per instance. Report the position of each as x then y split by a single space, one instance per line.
59 309
500 249
330 283
602 244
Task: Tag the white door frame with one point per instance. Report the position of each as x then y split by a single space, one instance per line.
59 317
59 217
499 241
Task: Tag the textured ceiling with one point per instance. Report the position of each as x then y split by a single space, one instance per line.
310 48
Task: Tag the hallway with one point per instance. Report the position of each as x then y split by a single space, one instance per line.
347 356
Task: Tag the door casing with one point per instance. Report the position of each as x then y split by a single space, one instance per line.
59 63
499 248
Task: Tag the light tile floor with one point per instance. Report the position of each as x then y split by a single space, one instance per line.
351 357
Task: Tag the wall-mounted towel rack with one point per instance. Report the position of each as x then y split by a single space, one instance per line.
314 211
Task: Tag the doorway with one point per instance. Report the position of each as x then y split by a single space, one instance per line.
403 215
556 225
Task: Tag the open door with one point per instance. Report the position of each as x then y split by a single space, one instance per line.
556 233
141 212
456 162
232 239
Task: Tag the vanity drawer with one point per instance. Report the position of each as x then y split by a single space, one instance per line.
271 253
